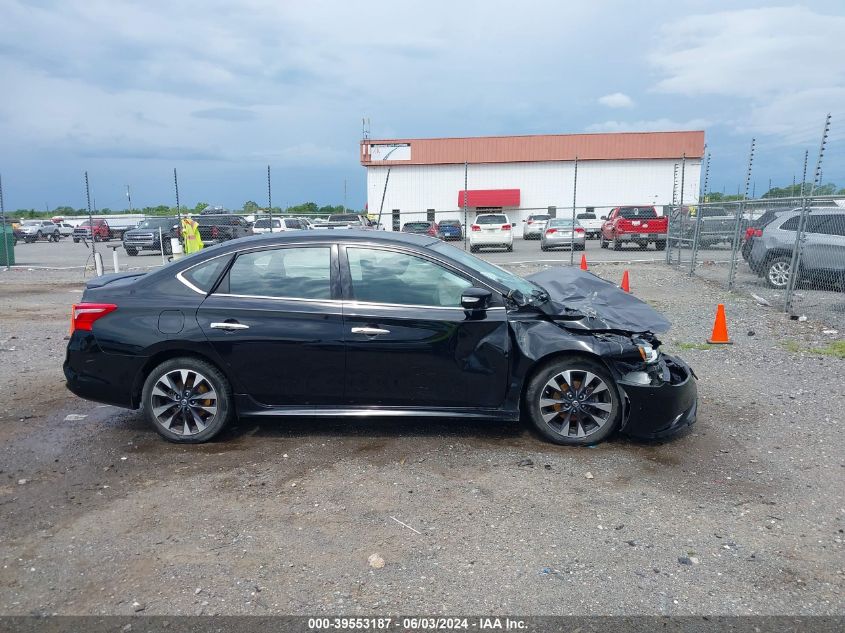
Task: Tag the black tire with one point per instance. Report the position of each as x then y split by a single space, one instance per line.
132 252
617 245
225 410
661 246
777 271
509 248
545 249
473 249
38 236
602 243
97 238
56 236
593 432
580 247
167 249
75 241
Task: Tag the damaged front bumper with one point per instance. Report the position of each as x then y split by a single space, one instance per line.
661 401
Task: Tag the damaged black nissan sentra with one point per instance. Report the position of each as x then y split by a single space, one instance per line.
370 323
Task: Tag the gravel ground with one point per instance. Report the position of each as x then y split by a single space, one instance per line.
743 514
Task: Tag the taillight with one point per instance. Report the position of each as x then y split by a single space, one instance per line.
530 222
550 231
432 231
748 233
83 315
506 227
578 229
758 233
475 227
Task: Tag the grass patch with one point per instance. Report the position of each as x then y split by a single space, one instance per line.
684 345
836 349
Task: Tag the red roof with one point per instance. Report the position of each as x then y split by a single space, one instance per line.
548 147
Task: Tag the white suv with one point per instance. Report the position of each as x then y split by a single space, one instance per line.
491 229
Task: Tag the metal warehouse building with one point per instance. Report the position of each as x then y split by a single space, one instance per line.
414 179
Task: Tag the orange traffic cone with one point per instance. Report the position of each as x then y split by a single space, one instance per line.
720 328
625 284
584 262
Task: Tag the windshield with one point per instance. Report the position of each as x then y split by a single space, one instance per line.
31 223
157 222
490 271
558 223
491 219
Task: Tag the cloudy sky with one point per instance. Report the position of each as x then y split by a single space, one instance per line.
219 89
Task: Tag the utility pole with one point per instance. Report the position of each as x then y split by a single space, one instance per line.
129 198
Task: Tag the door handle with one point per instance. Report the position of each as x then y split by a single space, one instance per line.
228 326
369 331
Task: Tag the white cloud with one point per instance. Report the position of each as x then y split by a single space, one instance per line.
652 125
781 66
616 100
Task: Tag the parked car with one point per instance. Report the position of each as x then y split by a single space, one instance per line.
822 254
146 236
717 224
452 229
638 225
491 229
65 229
346 221
33 230
404 325
590 223
262 225
561 233
98 230
423 228
215 228
534 226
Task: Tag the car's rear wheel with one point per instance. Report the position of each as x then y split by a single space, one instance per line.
777 271
131 252
473 249
509 248
187 400
602 243
617 245
661 246
574 401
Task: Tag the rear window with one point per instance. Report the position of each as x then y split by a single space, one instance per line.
450 222
559 223
637 212
416 226
539 217
491 219
586 216
343 217
292 224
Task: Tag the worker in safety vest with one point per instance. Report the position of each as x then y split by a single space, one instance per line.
191 235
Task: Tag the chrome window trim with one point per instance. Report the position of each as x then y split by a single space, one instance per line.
205 261
235 296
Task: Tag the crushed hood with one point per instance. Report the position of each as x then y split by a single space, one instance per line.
603 305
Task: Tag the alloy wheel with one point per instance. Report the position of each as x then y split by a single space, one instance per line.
184 402
779 274
576 403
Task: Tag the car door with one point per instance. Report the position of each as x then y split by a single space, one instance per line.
276 322
408 341
824 244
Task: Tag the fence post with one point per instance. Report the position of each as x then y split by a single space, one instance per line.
800 236
738 224
702 193
5 239
466 195
681 204
269 199
90 220
572 233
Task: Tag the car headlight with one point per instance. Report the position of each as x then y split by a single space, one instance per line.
647 352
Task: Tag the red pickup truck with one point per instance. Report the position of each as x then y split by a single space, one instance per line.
639 225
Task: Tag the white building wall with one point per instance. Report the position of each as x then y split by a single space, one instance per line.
601 184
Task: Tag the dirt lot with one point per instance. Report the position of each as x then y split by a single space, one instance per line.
744 514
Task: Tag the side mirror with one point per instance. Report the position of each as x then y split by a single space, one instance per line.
475 299
604 217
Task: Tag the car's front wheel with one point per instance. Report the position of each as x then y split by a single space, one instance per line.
777 271
573 400
187 400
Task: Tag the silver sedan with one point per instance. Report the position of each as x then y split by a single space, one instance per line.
561 233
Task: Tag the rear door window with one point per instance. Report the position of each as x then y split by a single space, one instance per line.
294 273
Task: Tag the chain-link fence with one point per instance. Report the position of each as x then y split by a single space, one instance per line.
755 245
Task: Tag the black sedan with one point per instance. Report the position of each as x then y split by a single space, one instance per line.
366 323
